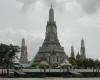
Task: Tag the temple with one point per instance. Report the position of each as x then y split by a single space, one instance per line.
82 50
51 48
23 58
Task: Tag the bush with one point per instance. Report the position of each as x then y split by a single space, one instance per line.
36 64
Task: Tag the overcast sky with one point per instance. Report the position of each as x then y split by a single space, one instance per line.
75 19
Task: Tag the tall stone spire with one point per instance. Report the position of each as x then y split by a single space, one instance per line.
82 50
82 43
78 55
23 42
72 52
51 47
51 14
23 58
51 29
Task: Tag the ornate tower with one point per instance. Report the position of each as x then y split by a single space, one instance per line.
23 58
78 56
82 50
72 52
51 47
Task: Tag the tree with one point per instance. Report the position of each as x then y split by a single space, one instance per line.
72 61
79 63
90 63
55 65
36 64
7 54
96 63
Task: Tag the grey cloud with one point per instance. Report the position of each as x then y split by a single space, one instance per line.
27 3
33 45
32 26
56 4
12 36
90 6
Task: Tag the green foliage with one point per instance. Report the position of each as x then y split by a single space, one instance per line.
87 63
72 61
96 63
7 53
36 64
55 65
90 63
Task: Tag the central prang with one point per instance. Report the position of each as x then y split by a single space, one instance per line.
51 49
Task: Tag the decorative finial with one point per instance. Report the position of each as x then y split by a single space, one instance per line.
23 38
51 5
78 52
82 38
